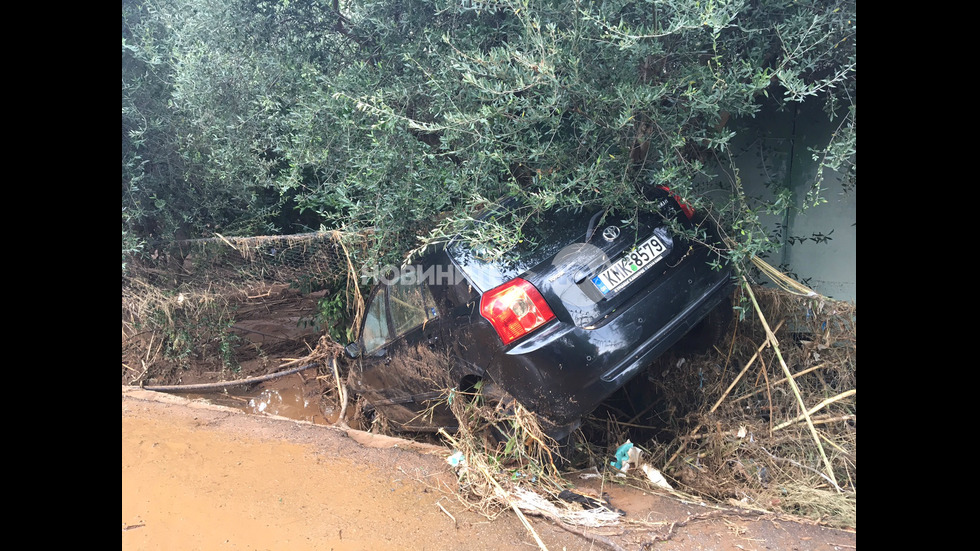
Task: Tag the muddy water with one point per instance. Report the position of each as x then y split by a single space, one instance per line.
281 399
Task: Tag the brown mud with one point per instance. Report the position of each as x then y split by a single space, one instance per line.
201 476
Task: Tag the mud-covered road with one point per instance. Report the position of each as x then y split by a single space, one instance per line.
200 476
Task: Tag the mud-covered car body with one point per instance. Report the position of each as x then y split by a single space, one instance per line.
591 300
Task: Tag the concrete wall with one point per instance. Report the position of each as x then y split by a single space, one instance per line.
819 244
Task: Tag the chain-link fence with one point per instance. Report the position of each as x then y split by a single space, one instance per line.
223 261
184 303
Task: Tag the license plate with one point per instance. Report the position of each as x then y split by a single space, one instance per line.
628 267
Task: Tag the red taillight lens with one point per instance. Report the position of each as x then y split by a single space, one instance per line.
515 309
688 210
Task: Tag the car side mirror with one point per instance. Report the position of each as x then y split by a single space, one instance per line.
352 350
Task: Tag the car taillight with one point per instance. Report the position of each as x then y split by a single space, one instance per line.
515 309
688 210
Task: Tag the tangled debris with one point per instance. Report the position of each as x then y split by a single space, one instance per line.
765 422
733 427
729 427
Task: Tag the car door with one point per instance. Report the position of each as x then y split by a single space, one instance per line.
403 367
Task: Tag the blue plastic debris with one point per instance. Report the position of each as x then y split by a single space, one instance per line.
456 459
622 454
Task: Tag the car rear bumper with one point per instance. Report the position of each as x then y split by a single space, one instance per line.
563 372
668 335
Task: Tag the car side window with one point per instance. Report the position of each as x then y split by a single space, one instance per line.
375 332
411 303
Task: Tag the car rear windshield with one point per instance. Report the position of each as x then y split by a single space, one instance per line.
543 236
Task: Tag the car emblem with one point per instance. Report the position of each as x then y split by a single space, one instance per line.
610 233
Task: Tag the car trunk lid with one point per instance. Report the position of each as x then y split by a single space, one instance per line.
586 263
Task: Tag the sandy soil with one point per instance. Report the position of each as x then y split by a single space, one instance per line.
201 476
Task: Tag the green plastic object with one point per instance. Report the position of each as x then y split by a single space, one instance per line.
622 454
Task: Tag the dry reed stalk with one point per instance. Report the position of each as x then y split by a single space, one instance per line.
525 522
783 380
744 369
829 441
804 467
230 244
771 336
447 512
783 281
835 419
341 395
816 408
351 281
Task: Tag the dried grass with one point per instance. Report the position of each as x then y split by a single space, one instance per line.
743 437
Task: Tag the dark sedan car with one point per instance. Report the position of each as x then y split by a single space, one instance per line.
585 303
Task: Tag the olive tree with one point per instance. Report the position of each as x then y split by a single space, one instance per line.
406 116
